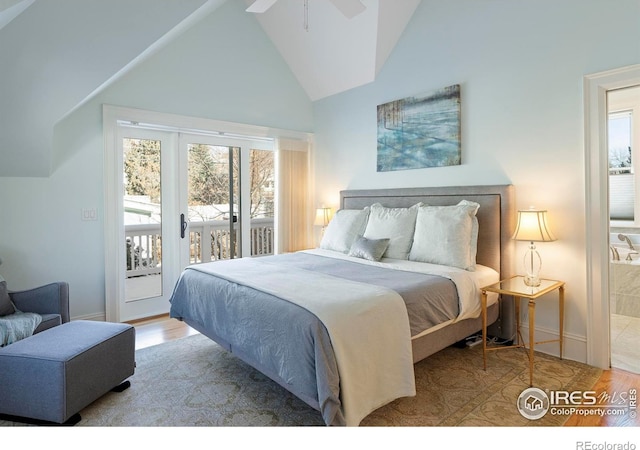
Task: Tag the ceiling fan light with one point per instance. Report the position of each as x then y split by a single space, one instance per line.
260 6
350 8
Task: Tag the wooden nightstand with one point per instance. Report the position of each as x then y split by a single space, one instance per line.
515 287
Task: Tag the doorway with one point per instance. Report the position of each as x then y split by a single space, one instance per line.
146 168
175 198
596 86
188 198
623 139
197 225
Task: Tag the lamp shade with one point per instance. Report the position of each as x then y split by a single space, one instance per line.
322 216
533 226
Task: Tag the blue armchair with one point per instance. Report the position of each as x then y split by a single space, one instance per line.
50 301
46 307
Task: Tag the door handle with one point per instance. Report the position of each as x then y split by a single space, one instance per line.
183 226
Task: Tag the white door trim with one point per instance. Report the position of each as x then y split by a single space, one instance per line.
117 308
597 207
113 228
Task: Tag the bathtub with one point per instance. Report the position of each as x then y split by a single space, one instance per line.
624 275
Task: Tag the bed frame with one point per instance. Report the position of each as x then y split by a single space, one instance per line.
496 219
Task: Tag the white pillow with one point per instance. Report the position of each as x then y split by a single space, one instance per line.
343 229
447 235
474 230
395 224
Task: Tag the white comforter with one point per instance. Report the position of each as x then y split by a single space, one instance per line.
368 326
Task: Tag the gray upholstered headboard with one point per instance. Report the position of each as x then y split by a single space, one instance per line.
496 215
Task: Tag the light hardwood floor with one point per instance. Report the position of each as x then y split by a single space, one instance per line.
157 330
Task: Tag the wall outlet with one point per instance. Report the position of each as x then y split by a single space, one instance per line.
89 214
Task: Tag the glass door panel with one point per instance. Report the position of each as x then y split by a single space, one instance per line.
229 197
213 202
262 207
142 203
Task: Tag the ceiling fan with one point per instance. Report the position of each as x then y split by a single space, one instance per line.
350 8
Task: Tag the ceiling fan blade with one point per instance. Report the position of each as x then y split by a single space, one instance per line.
260 6
350 8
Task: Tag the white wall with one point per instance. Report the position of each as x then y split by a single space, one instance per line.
224 68
520 65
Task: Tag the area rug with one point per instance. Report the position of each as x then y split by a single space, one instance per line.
194 382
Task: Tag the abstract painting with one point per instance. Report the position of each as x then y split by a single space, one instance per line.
422 131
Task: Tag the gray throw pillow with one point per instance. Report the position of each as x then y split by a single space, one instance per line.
6 307
371 249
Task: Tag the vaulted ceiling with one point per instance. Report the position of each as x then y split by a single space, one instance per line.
57 54
334 53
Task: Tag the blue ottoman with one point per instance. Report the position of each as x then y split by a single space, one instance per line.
51 376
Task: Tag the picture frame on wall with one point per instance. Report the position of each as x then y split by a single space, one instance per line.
420 132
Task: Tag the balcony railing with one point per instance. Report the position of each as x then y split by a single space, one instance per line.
208 241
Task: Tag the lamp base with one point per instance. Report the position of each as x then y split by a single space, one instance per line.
532 280
532 265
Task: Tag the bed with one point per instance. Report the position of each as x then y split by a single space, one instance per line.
395 279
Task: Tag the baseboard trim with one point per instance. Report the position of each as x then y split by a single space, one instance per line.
100 317
575 346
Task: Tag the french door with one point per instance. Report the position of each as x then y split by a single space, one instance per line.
147 267
227 198
187 199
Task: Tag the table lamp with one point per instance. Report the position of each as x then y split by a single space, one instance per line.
532 226
322 217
